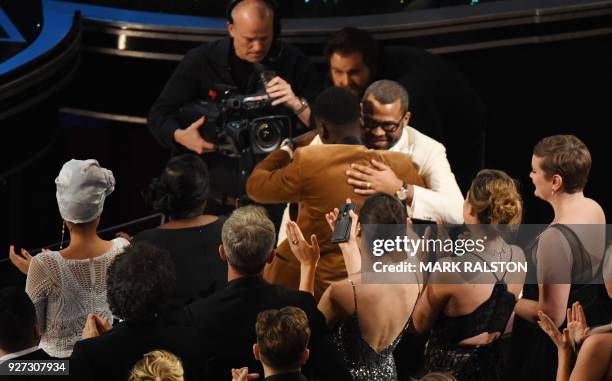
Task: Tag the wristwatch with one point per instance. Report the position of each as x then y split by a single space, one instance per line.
305 105
288 146
402 193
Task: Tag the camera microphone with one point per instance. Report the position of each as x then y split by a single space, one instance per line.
265 75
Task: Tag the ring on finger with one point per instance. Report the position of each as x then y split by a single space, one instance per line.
295 242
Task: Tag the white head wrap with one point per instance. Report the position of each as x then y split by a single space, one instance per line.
82 187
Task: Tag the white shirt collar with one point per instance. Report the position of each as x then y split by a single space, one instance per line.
13 355
404 143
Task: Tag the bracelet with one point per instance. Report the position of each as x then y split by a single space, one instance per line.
304 106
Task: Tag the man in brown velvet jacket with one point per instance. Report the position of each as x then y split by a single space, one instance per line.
315 177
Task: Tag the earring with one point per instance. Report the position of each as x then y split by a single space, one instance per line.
63 231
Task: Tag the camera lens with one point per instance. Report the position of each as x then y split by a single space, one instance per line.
267 135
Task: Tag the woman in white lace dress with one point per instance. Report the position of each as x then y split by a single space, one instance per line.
69 284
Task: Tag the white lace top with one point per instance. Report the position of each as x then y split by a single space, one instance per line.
65 291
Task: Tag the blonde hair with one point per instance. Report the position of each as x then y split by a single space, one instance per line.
495 198
158 365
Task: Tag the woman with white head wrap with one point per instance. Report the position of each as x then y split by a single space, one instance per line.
69 284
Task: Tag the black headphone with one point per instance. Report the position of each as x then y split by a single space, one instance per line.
277 47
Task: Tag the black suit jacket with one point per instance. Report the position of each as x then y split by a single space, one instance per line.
226 323
112 355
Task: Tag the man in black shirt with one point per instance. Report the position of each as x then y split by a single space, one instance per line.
253 38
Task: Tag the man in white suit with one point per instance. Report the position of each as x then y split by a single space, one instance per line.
385 126
385 123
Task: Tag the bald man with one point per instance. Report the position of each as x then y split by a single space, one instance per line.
230 61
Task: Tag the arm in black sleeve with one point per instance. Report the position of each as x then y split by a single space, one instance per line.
308 83
183 86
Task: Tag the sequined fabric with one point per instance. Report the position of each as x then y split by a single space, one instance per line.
363 362
482 363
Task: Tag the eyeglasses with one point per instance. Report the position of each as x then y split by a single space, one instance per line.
388 125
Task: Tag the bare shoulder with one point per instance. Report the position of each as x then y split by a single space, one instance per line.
598 342
518 255
594 210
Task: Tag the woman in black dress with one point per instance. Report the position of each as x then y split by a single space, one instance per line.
465 313
191 237
566 256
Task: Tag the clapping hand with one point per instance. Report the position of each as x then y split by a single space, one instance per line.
577 325
243 374
22 262
561 340
307 254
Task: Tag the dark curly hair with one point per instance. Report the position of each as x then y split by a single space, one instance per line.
139 282
348 40
182 189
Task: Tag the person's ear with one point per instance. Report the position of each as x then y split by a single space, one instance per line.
470 209
271 256
230 29
407 118
222 254
305 356
256 353
557 183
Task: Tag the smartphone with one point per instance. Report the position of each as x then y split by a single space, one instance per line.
342 229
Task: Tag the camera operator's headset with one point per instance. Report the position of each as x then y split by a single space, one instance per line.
277 46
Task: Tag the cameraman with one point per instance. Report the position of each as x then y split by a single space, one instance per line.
254 37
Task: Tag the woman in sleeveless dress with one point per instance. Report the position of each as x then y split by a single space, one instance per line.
368 319
68 285
467 313
566 256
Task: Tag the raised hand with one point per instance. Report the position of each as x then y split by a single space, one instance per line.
243 374
307 254
577 325
22 262
350 249
561 340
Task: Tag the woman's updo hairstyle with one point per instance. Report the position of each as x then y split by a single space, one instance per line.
495 198
182 189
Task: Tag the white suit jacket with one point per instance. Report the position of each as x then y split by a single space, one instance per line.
440 198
